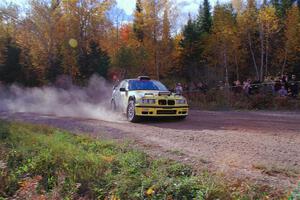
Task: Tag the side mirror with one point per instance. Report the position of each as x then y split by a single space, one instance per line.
122 90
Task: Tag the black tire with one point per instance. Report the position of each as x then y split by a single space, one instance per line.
131 117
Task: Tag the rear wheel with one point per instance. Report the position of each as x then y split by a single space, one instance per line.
131 112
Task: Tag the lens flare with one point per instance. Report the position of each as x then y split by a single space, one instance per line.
73 43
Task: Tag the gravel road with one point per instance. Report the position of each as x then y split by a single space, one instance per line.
262 147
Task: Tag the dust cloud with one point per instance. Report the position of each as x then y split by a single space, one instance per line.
92 102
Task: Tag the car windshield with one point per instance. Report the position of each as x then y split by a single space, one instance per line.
146 85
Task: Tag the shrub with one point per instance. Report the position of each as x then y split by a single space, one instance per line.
4 130
220 100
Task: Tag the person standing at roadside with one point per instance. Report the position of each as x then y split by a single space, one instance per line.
282 92
294 87
178 89
277 84
247 86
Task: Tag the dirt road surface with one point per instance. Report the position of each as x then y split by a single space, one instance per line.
262 147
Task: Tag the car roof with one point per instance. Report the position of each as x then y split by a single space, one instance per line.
135 79
144 78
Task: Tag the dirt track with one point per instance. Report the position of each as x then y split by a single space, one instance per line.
263 147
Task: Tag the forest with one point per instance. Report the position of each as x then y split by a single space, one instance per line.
78 38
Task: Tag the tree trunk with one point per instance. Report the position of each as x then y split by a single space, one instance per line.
261 37
226 68
253 56
284 62
267 56
156 55
237 68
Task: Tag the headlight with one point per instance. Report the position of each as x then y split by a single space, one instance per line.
147 101
181 101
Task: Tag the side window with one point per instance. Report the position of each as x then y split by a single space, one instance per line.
123 84
126 85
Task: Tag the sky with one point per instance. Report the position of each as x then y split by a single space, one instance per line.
126 7
186 6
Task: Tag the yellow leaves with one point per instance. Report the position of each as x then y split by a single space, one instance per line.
114 197
70 1
108 159
292 34
223 28
247 20
268 19
150 191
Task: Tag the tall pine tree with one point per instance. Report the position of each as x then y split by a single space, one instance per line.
189 49
204 19
98 62
11 69
138 23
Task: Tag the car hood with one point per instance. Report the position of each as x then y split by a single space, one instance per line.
156 94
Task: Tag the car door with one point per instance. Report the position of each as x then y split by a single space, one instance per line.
124 96
118 96
115 94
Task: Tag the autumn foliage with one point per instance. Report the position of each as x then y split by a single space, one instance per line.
238 40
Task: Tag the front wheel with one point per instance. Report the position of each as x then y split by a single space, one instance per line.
131 112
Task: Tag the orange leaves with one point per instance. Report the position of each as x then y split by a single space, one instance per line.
125 33
28 189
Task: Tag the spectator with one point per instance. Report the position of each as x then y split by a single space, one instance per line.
282 92
272 85
277 85
237 87
294 87
247 86
285 81
268 86
185 87
178 89
255 87
285 78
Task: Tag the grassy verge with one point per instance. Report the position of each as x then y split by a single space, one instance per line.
274 169
38 162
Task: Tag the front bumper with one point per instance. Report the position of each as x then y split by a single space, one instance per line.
163 111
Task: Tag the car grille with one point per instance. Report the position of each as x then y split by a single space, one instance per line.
163 102
168 112
171 102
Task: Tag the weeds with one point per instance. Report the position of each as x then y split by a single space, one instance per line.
273 170
222 100
46 163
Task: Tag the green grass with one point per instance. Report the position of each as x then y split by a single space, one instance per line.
39 161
